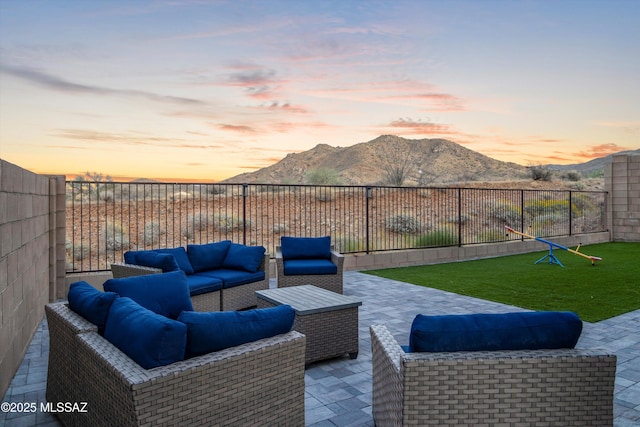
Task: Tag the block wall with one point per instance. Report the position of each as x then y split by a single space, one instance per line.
30 268
622 182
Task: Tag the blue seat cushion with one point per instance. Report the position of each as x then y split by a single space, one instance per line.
165 262
309 266
214 331
231 278
166 294
305 247
179 254
148 338
209 256
199 284
488 332
90 303
242 257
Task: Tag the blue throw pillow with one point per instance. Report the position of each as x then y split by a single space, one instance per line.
305 247
166 294
214 331
488 332
209 256
90 303
181 258
165 262
149 339
242 257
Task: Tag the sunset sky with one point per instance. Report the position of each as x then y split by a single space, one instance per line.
207 89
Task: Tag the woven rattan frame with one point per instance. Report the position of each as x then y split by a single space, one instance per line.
259 383
330 282
566 387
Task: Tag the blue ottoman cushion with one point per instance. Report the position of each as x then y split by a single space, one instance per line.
214 331
90 303
148 338
166 294
488 332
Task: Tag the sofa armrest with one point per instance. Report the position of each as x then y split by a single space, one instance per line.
120 270
59 315
261 382
387 384
338 259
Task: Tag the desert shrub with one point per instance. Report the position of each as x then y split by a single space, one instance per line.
545 207
403 224
324 194
116 236
151 233
323 176
581 203
492 236
506 212
571 176
545 224
226 223
541 173
280 228
216 189
441 237
462 219
348 244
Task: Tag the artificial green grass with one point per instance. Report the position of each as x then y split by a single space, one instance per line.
608 289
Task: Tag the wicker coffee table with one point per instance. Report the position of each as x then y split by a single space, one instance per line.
329 320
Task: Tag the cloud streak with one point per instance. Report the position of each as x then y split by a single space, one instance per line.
61 85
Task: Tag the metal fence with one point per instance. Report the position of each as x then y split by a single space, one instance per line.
105 219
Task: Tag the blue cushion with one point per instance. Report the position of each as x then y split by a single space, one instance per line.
305 247
309 266
166 294
209 256
181 258
231 278
199 284
90 303
487 332
180 255
241 257
149 339
165 262
214 331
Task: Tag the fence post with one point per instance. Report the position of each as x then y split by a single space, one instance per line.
570 213
244 214
368 195
459 217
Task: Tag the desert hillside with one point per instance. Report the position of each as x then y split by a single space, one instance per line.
423 161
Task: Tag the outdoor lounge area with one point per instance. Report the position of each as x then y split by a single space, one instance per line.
338 392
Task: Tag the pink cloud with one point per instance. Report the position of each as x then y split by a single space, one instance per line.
601 150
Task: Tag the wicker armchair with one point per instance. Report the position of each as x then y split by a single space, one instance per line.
330 282
567 387
227 299
259 383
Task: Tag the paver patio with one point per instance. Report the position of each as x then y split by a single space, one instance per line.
338 391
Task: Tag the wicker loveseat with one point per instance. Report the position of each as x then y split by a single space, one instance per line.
309 261
561 387
257 383
221 276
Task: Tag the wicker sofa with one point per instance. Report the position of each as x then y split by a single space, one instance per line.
563 387
212 288
258 383
313 254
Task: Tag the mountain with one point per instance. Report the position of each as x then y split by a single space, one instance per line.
386 159
593 167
